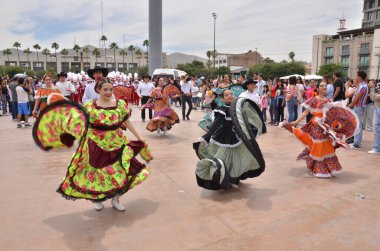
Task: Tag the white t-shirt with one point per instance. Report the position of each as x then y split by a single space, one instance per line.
22 95
252 96
145 89
66 88
300 89
195 91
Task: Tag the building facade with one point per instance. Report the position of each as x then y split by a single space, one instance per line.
242 60
73 60
355 50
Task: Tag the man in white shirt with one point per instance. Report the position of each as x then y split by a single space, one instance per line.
144 91
66 88
250 93
260 84
96 74
187 90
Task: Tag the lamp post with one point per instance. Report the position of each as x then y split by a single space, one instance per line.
213 53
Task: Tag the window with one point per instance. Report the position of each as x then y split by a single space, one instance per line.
329 52
364 48
345 50
345 61
329 60
363 61
38 64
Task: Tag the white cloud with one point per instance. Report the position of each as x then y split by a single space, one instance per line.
275 27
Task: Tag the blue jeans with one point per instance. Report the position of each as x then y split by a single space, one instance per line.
264 112
4 103
272 109
292 109
360 113
376 129
14 109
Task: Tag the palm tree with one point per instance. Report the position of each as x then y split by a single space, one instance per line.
131 48
17 45
146 43
7 52
77 49
292 55
96 53
64 52
209 55
27 52
86 50
55 46
104 39
214 55
37 47
138 54
123 53
46 52
114 47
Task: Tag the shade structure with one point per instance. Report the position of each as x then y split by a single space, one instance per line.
294 75
313 77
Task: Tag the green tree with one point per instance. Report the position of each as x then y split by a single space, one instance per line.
330 69
17 45
37 47
114 47
55 46
76 48
104 39
45 52
27 52
97 54
272 70
123 53
7 52
86 50
222 70
64 52
131 48
209 55
146 43
292 55
139 55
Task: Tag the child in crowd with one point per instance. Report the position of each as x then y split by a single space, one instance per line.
264 102
22 102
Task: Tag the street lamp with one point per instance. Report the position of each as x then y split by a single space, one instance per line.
215 17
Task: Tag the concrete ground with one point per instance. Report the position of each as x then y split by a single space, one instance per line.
284 209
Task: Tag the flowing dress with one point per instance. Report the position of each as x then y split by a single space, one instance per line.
104 164
163 116
326 131
224 158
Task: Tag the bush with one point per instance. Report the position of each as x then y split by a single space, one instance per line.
10 71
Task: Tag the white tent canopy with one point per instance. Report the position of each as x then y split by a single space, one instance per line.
294 75
313 77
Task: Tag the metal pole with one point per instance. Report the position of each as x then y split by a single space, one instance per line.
214 56
155 35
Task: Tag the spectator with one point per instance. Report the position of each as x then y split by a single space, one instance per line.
4 96
260 84
375 97
300 90
368 114
330 87
264 102
358 104
22 102
291 99
280 104
338 87
13 85
272 107
195 92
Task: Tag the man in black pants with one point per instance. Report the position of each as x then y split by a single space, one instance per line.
144 90
186 89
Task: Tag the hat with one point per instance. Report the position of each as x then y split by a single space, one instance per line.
147 76
62 74
91 72
248 82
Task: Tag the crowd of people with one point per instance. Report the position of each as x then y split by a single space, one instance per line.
93 108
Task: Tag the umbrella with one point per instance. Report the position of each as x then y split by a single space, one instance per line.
294 75
313 77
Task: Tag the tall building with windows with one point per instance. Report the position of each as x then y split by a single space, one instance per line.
355 50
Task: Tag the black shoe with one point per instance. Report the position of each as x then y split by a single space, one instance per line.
18 125
188 118
183 118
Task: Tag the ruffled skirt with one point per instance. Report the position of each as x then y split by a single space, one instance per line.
163 119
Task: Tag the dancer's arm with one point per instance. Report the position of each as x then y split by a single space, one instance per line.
302 117
129 126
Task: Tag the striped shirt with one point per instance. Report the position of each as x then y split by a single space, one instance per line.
363 90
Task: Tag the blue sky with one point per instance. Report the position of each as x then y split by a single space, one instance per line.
275 27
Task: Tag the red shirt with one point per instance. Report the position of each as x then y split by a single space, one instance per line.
273 91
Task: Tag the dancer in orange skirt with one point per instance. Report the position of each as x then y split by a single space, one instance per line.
330 125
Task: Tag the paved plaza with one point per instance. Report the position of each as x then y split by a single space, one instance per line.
284 209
